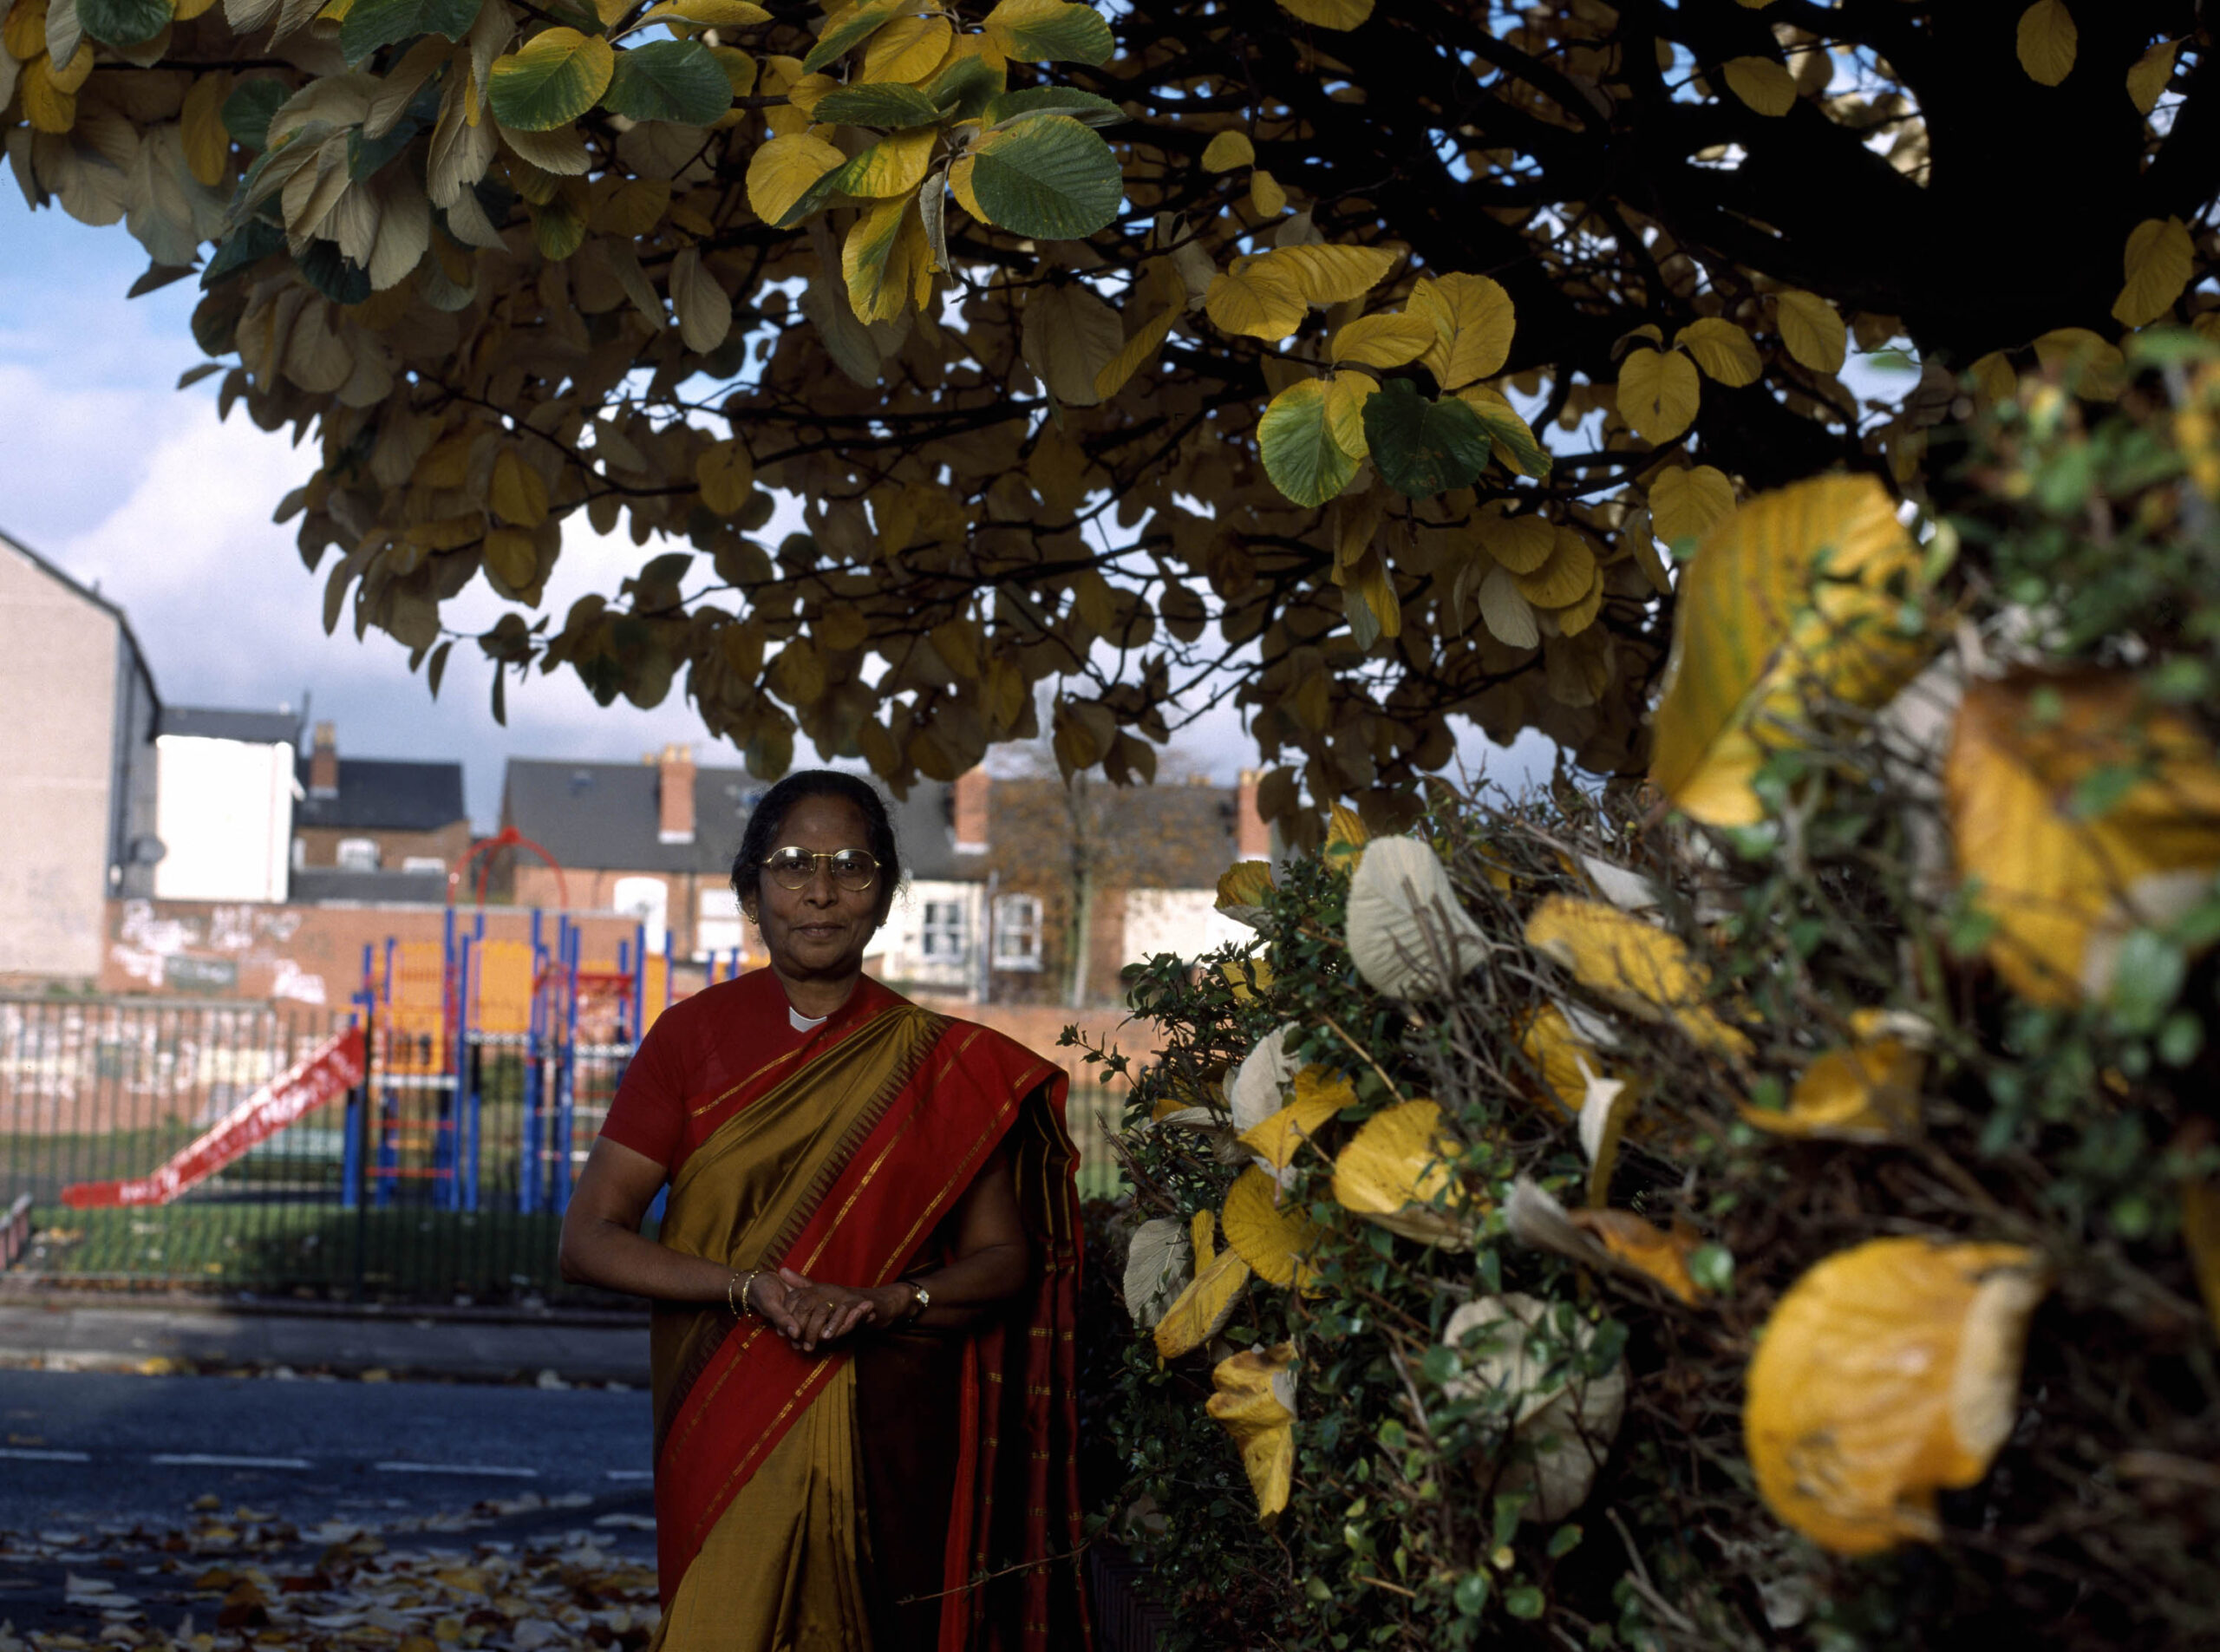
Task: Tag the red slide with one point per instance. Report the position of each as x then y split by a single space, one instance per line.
334 1067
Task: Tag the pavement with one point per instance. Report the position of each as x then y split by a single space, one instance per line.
69 1331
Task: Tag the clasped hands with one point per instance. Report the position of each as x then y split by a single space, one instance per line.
810 1314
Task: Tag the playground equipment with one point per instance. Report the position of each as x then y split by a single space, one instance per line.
493 1062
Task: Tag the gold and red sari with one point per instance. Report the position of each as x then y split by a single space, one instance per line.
916 1489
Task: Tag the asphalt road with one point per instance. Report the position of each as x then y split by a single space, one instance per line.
103 1452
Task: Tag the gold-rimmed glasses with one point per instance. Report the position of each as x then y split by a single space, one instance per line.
793 867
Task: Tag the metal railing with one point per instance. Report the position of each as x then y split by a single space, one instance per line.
442 1176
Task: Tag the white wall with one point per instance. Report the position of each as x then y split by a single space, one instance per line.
904 959
224 811
1183 921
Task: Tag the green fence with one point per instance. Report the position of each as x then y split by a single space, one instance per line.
97 1090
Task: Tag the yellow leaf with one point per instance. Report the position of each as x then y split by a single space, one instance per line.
1765 86
46 106
1346 836
1472 321
1658 394
1331 275
1496 413
1558 1055
519 494
894 165
2089 360
1396 1171
2047 40
1795 595
726 475
200 125
1381 341
1866 1092
2147 79
1244 884
1520 544
510 557
1227 150
2157 265
1723 349
1329 14
1683 503
2063 885
907 50
1635 966
1565 578
783 170
1255 1402
1247 977
1266 194
1199 1312
1136 353
1273 1240
1254 297
1202 1229
884 258
959 185
1346 395
1887 1373
1813 330
1320 1092
1661 1254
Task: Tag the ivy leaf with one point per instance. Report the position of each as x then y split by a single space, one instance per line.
669 79
1050 179
1422 447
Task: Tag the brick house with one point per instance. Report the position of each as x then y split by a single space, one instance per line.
374 828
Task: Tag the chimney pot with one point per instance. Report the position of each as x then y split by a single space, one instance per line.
972 788
324 762
1252 838
674 794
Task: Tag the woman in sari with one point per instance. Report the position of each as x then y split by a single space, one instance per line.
864 1284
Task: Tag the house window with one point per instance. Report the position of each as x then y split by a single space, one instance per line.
717 926
422 863
357 854
647 901
940 937
1017 932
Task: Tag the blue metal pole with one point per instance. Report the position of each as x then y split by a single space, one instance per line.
567 1076
666 966
528 1148
639 983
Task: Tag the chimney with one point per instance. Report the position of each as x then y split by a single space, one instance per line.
324 762
1252 838
971 789
675 794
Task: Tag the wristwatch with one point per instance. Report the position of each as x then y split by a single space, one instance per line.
923 1298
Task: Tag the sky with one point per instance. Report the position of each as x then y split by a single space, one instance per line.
124 481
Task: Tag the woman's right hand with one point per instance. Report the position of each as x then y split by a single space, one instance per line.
807 1312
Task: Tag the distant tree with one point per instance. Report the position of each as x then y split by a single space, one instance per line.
1066 327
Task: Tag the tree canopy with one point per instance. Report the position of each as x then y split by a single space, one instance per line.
1350 365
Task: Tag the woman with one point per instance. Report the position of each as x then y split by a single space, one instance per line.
864 1285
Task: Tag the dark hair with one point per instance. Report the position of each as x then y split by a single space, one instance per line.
769 819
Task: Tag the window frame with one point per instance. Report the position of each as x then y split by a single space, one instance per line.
1029 928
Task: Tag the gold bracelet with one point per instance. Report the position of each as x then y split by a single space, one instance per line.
738 1309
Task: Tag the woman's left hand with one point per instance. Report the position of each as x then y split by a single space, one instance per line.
826 1313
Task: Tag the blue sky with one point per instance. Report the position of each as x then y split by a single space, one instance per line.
109 471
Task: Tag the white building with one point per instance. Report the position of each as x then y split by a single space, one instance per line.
224 804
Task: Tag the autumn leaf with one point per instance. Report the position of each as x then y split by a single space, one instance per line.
1658 394
1397 1171
1229 149
1887 1373
1200 1311
2047 41
2083 817
1866 1090
1659 1254
1793 601
1473 318
2158 262
1635 966
1255 1401
1684 502
1408 934
1381 341
1765 85
1274 1240
1813 330
1723 350
1320 1094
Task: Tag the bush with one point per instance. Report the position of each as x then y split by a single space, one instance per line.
1870 1037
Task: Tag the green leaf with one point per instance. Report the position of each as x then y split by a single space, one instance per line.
1050 179
328 270
123 22
556 77
669 79
857 27
1514 440
1083 107
250 244
1301 456
1526 1601
1422 447
895 109
373 23
1035 32
965 87
247 111
2147 979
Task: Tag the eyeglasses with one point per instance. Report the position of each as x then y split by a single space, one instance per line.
793 867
